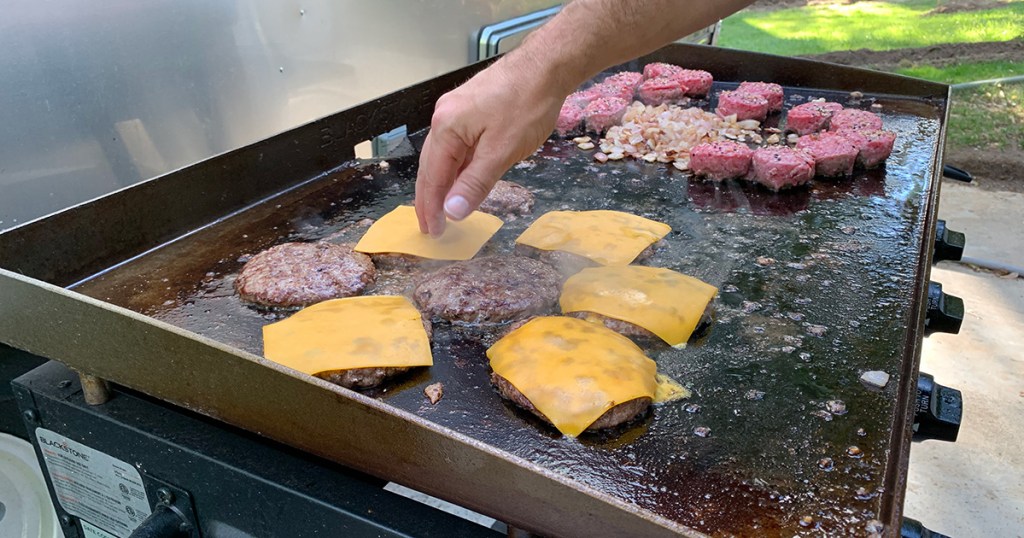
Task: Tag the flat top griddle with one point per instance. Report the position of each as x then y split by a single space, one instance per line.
817 285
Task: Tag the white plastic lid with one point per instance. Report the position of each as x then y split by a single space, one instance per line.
25 508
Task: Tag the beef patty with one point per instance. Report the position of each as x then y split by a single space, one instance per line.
620 414
489 290
294 275
568 263
368 378
637 332
508 199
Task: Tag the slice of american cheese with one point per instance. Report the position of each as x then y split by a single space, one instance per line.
355 332
606 237
398 232
667 303
573 371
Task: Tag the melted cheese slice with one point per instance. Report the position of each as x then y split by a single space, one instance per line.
667 303
398 232
356 332
573 371
669 390
606 237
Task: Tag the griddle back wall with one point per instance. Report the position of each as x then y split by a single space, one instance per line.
69 246
76 243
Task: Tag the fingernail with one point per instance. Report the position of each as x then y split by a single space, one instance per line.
456 207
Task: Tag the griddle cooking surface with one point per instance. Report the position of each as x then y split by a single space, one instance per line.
789 335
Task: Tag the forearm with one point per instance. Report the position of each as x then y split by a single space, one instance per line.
588 36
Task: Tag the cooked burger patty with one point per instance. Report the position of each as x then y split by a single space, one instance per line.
368 378
568 264
508 199
620 414
294 275
494 289
631 330
361 378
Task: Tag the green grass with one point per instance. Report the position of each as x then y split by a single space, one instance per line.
989 117
817 29
958 73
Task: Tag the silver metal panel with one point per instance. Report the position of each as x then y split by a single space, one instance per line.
98 96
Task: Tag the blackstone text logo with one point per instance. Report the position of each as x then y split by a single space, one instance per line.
64 448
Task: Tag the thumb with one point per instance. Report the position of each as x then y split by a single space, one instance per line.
473 183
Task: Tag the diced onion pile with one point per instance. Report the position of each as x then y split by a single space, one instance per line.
666 133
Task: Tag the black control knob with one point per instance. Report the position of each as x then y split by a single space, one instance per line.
949 244
945 312
958 174
939 410
913 528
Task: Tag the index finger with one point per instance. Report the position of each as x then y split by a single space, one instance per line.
440 160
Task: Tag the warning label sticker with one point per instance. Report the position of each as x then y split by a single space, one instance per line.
93 485
92 531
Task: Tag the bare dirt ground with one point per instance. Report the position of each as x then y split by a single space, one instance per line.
945 6
936 55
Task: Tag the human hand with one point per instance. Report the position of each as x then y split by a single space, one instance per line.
478 131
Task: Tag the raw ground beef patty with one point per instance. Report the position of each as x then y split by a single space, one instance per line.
853 119
720 160
873 147
294 275
834 155
655 91
745 106
620 414
570 119
770 91
604 112
781 167
490 290
811 117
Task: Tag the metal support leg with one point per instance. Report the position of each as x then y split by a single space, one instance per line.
95 389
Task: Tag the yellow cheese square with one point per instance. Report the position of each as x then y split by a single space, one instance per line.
398 232
355 332
606 237
667 303
573 371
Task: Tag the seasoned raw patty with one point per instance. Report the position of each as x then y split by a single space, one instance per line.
508 199
852 119
620 414
781 167
604 112
770 91
746 106
698 82
368 378
811 117
720 160
656 91
494 289
833 154
873 147
658 69
629 79
570 119
293 275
